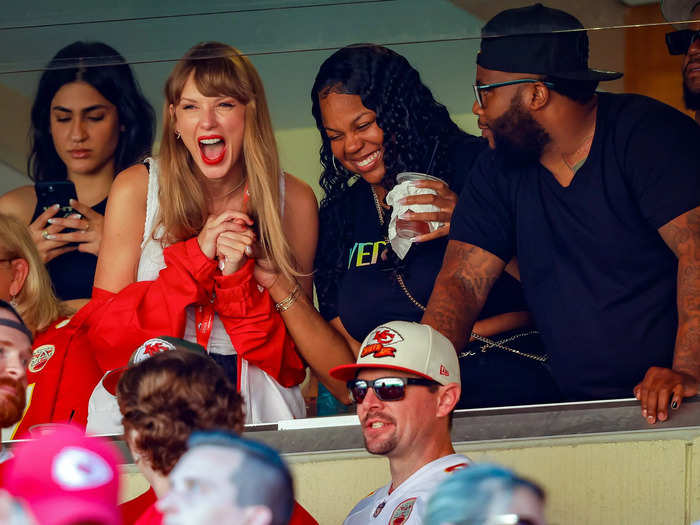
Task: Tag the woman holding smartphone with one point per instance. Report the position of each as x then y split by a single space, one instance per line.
191 234
89 121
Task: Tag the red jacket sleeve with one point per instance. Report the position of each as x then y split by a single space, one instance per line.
256 330
146 309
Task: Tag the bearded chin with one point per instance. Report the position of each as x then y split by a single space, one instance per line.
518 136
691 98
11 405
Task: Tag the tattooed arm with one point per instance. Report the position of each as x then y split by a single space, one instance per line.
661 385
460 291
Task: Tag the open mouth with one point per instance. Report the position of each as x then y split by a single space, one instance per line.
212 148
369 162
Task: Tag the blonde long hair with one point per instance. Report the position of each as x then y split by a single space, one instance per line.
219 69
36 301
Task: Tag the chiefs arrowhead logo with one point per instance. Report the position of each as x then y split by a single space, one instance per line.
149 349
379 342
443 371
41 356
76 468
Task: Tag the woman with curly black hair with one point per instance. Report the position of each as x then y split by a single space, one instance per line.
377 119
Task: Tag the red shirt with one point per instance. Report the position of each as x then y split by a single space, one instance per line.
61 375
152 516
134 509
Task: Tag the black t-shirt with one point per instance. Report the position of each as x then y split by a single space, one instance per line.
598 278
73 273
355 284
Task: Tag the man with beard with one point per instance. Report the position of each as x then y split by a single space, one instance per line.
15 353
406 384
686 41
597 196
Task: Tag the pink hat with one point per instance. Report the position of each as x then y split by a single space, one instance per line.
407 347
65 477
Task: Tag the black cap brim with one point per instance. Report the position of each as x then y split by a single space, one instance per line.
597 75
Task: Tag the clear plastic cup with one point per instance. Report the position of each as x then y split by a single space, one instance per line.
43 429
406 228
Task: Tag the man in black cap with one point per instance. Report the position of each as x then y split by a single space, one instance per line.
686 41
597 196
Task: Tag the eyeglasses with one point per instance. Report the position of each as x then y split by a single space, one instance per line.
385 388
478 88
678 42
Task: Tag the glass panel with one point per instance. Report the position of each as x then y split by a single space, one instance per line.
287 41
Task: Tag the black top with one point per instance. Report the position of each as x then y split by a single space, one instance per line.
597 276
354 283
73 273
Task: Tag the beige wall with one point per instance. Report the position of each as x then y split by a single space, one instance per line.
640 478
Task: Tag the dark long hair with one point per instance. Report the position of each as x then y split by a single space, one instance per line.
413 122
105 70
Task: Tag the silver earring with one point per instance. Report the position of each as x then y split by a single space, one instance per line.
13 301
177 135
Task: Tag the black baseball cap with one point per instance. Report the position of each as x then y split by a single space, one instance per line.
538 40
678 11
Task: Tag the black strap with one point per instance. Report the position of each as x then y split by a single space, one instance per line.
17 325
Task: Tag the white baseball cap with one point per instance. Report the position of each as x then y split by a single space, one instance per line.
408 347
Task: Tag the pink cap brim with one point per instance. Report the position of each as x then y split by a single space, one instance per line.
348 372
65 510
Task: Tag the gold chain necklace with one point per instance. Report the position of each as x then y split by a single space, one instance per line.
399 277
229 192
586 142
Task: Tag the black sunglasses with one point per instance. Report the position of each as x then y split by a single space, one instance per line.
385 388
678 42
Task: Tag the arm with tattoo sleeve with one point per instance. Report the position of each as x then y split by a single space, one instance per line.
460 291
682 235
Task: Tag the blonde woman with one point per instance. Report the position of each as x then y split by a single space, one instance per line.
24 281
62 372
189 236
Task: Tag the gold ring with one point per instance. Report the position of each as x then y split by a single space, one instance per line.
45 234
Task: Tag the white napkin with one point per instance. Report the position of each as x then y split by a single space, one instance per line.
398 192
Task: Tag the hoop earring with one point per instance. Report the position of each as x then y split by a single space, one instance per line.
177 135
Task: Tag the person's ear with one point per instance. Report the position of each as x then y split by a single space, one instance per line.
20 270
448 396
539 96
257 515
173 116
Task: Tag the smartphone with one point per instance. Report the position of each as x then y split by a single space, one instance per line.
53 192
59 192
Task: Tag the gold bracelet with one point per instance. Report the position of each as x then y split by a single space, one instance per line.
286 303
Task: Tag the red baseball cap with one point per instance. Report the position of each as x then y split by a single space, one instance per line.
66 477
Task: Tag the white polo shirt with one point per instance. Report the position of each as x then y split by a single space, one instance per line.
407 503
